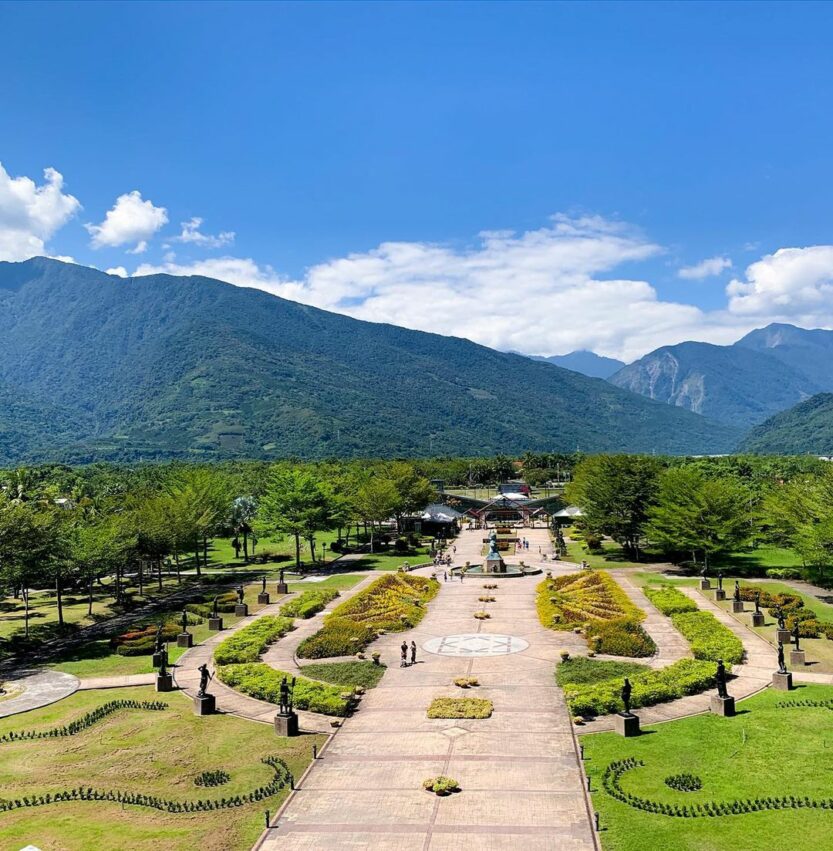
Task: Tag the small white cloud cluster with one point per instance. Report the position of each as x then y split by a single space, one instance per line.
705 268
131 220
30 214
191 234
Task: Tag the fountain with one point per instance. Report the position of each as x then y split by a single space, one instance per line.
495 565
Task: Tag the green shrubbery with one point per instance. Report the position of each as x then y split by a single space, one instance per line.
309 603
581 670
259 680
141 640
688 676
460 707
441 785
670 601
363 674
620 638
709 639
392 603
225 605
248 643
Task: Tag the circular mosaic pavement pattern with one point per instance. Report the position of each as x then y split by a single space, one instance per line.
475 644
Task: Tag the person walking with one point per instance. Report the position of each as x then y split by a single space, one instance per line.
404 660
445 576
413 652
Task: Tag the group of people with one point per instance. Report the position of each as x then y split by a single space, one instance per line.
522 544
404 663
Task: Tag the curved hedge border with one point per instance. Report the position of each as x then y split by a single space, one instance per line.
281 778
309 603
247 644
611 782
709 639
84 721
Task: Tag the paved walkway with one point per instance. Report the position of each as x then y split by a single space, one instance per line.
117 681
40 688
748 678
519 770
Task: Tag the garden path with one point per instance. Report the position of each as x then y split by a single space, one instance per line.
520 772
748 678
39 688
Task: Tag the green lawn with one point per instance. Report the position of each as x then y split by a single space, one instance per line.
364 674
756 754
383 561
156 753
613 556
581 669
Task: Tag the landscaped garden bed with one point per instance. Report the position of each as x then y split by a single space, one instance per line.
309 603
249 643
460 707
593 602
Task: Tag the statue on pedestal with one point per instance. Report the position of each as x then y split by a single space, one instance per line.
160 641
240 593
796 635
720 581
215 606
626 695
205 678
757 602
720 679
703 571
286 696
737 591
782 665
163 662
263 585
184 621
779 616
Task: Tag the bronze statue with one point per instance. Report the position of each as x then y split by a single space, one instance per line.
240 593
703 571
215 606
280 576
163 662
205 678
720 581
720 679
184 621
286 696
737 591
263 585
757 602
160 641
626 695
796 635
779 614
782 665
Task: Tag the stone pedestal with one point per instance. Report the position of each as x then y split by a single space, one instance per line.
724 706
185 639
797 659
263 598
784 636
156 660
719 594
758 619
283 588
627 724
205 705
286 725
215 624
782 682
737 606
241 610
705 585
164 682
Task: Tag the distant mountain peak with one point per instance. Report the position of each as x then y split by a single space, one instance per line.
585 362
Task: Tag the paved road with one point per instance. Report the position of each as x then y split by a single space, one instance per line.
521 778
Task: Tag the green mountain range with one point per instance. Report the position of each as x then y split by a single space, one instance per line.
767 371
96 367
806 428
587 363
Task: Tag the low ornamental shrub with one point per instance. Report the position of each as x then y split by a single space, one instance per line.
360 674
622 638
670 601
248 643
441 785
141 641
309 603
460 707
482 616
218 777
225 605
709 639
394 602
684 782
688 676
466 682
264 682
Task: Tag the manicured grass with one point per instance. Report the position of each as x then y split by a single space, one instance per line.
580 669
761 558
339 581
613 556
385 561
154 753
364 674
756 754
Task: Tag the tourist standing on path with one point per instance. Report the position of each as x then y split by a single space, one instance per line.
413 652
445 576
404 660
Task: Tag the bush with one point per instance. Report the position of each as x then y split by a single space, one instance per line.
248 643
576 599
622 638
581 670
466 682
785 573
688 676
460 707
441 785
309 603
217 777
363 674
670 601
263 682
392 603
225 605
709 639
141 641
684 782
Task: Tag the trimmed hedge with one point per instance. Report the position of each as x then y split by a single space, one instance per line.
248 643
709 639
460 707
363 674
621 638
688 676
141 641
394 602
225 605
309 603
259 680
670 601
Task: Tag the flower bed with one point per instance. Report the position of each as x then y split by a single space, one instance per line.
141 641
688 676
670 601
460 707
593 602
392 603
309 603
709 639
248 643
263 682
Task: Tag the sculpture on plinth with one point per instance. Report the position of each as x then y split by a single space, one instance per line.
214 606
737 591
163 662
719 581
184 621
286 697
779 616
205 678
626 695
263 585
160 640
240 593
720 679
796 635
782 665
757 602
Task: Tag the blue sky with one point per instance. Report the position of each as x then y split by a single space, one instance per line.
357 152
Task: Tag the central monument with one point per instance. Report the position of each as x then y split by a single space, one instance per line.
494 561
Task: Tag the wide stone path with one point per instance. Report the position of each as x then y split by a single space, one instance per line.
519 770
38 688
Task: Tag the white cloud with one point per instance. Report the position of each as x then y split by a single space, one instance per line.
130 220
705 268
191 234
31 214
118 271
